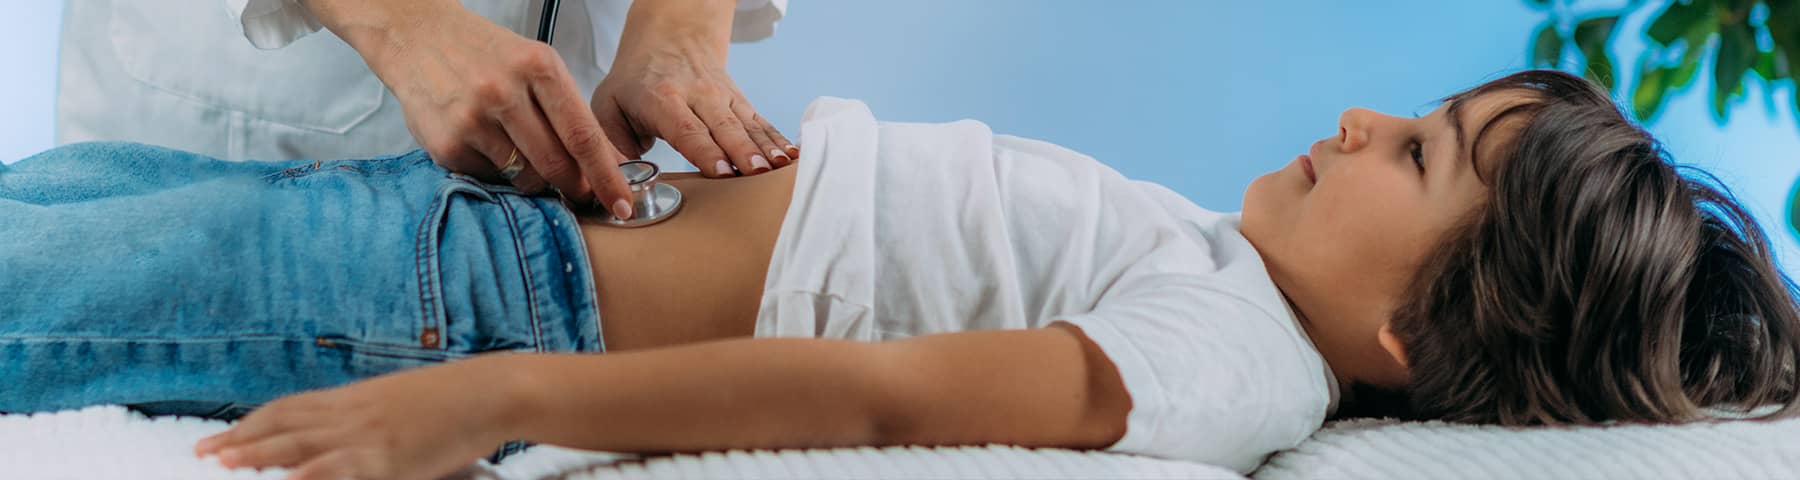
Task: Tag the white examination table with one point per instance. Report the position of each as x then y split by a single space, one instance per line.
110 442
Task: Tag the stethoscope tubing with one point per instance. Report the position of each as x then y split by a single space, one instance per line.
547 21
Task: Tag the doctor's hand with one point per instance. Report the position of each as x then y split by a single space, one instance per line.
668 81
423 423
480 98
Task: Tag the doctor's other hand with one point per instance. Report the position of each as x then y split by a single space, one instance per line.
479 97
669 81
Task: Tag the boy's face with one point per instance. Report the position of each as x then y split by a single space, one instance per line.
1343 228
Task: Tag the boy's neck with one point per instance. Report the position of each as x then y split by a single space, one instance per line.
1345 362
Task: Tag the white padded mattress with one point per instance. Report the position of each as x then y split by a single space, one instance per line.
1385 449
112 442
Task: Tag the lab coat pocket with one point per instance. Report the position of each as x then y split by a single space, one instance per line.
198 53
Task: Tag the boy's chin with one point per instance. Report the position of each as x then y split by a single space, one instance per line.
1263 193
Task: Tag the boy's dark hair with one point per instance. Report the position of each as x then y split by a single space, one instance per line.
1597 283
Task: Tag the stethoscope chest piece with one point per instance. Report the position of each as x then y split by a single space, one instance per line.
651 201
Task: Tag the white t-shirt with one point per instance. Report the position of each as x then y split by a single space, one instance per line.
899 229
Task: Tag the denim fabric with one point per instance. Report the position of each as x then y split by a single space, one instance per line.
182 284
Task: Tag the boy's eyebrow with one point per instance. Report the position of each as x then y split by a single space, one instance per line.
1453 110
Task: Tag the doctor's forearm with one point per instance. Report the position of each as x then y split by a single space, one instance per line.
704 25
743 393
370 26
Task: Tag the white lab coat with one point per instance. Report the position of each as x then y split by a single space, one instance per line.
250 79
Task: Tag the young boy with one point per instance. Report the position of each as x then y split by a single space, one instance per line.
1523 254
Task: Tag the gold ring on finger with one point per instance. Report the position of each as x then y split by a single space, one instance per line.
511 169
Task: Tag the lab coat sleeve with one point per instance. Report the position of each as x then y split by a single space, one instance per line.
756 19
753 20
270 24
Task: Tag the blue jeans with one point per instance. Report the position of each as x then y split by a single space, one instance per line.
181 284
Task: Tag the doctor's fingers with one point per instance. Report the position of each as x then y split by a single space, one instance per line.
545 160
732 134
470 143
672 119
625 135
782 142
767 139
594 158
500 154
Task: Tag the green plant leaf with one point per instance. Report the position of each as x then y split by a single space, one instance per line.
1794 208
1796 103
1694 45
1546 46
1591 36
1737 55
1770 66
1784 26
1647 99
1783 67
1677 20
1740 8
1684 73
1690 27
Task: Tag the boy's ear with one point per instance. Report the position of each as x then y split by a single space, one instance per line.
1392 344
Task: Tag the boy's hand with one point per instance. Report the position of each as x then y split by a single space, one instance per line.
422 423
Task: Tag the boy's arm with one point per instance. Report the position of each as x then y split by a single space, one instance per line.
1040 387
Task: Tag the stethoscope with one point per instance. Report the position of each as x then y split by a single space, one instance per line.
651 201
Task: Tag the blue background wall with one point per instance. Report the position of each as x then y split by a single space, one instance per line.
28 37
1200 95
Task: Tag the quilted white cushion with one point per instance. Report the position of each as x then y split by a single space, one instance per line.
112 442
992 461
1368 448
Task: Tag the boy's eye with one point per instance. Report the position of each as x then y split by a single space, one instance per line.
1418 155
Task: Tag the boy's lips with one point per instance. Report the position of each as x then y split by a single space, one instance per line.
1306 164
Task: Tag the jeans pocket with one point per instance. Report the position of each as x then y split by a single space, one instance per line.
450 276
476 284
443 239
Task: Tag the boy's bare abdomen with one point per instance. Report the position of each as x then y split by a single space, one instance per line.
698 275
